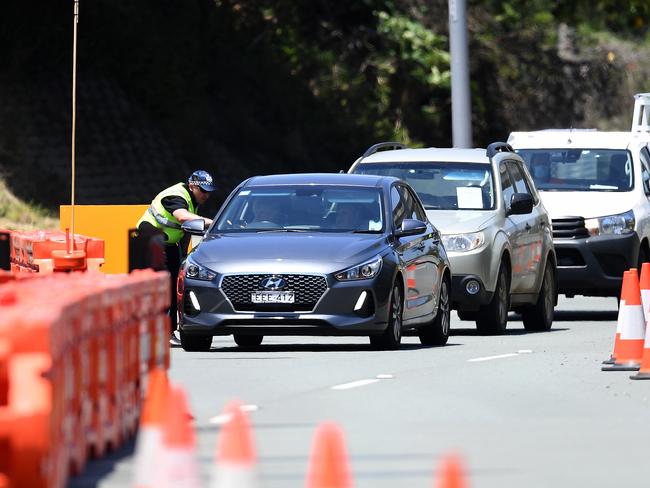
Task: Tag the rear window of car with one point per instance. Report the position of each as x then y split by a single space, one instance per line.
442 185
580 169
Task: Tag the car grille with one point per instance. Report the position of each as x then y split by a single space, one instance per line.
569 228
308 289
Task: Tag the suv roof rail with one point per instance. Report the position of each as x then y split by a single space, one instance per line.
496 147
640 117
382 145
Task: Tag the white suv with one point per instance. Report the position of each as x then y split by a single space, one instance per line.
596 187
494 227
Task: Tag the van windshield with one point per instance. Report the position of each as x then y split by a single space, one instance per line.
442 185
579 169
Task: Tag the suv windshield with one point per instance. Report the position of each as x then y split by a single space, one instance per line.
441 185
579 169
299 208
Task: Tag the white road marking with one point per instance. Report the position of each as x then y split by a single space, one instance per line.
385 376
224 418
524 351
355 384
490 358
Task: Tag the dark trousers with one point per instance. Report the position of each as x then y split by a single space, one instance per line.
163 256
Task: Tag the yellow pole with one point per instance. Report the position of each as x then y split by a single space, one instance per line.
74 116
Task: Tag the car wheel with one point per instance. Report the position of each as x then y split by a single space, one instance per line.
436 333
493 317
195 343
392 336
248 340
539 317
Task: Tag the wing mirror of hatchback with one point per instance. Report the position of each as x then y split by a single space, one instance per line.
521 204
411 227
194 227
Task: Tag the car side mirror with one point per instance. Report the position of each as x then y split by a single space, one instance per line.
521 204
194 227
411 227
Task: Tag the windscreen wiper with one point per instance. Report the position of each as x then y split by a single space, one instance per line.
280 230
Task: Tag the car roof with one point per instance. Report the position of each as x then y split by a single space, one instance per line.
321 179
432 154
578 138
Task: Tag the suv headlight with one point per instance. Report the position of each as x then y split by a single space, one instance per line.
463 242
363 271
198 272
611 224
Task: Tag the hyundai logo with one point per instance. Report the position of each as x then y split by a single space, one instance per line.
273 283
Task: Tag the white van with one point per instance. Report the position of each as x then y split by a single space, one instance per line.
596 187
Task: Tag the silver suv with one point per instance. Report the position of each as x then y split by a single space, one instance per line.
494 227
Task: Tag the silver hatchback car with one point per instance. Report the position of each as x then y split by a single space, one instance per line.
494 227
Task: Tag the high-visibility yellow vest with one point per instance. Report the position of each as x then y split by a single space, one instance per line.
160 218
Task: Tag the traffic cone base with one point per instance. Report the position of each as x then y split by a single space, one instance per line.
640 376
631 366
234 476
147 455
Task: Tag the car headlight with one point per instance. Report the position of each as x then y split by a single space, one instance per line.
198 272
611 224
463 242
363 271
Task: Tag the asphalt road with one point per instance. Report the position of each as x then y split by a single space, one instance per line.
522 410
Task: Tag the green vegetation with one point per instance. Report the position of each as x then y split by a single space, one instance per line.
18 215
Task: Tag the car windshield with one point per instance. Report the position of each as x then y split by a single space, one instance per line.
301 208
579 169
442 185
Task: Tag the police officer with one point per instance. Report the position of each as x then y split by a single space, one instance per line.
162 222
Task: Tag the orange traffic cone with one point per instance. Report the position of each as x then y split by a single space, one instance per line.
451 473
644 285
644 370
328 466
621 306
628 350
147 447
235 457
178 466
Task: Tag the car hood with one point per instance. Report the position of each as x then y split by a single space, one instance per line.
587 204
460 221
286 252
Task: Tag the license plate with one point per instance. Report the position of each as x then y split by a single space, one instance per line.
272 297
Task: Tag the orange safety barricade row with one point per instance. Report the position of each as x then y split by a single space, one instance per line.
75 353
50 251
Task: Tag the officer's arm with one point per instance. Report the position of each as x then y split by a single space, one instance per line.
183 215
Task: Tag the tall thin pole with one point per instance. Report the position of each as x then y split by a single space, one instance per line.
74 117
461 109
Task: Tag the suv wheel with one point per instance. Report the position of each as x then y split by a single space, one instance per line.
392 336
493 317
539 317
436 333
195 343
248 340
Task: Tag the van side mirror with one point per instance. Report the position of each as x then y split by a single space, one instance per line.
194 227
521 204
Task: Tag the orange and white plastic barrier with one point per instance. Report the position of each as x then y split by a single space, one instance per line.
72 367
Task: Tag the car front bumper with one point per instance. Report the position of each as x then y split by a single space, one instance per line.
594 266
466 266
333 314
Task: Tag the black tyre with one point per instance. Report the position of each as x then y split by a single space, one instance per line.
465 315
392 336
248 340
195 343
643 258
493 317
539 317
436 333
